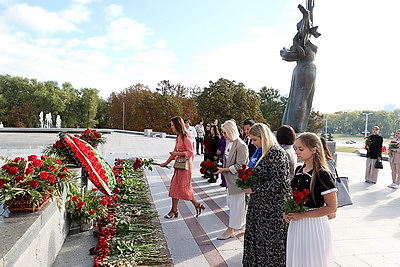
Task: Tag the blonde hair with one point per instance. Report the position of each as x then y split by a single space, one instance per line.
268 139
312 141
230 129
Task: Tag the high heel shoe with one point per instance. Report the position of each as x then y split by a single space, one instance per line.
199 208
171 214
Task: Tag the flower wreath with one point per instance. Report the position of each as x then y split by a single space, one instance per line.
100 172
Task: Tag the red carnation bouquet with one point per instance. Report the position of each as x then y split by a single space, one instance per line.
246 178
93 137
208 167
297 202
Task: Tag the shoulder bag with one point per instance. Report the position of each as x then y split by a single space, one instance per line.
378 164
181 163
343 195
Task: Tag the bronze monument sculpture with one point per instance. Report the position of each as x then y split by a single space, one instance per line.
302 87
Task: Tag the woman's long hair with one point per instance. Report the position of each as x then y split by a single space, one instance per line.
311 141
179 126
268 139
215 129
328 154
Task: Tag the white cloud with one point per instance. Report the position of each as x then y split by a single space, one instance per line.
37 19
126 33
85 1
114 10
160 44
76 13
97 42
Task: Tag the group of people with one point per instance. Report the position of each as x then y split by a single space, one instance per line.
374 154
271 238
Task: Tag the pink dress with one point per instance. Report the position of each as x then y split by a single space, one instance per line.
181 183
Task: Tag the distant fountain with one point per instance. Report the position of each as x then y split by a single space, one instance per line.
58 122
41 120
48 121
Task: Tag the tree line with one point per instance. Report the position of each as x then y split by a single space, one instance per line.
137 107
353 122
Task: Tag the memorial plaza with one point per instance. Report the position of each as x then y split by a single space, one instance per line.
364 234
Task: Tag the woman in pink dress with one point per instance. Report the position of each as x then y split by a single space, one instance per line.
181 182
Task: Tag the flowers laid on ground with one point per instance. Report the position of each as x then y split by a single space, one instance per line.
297 202
33 179
208 167
60 151
86 206
128 235
93 137
367 143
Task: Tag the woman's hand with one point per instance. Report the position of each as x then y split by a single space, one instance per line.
219 152
162 165
285 217
331 215
220 170
295 216
248 191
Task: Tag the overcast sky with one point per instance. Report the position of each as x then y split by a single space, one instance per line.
110 45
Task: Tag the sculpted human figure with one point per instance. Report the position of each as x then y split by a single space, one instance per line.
302 87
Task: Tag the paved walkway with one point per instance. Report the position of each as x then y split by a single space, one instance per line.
365 234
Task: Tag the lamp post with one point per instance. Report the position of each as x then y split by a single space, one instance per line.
366 123
123 115
326 124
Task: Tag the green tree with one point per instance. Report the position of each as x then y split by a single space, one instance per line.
272 106
224 100
88 102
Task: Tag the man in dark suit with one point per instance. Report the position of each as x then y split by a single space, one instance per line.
246 128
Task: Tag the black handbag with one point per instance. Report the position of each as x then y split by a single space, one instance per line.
378 164
343 195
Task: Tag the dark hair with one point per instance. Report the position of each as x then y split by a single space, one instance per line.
248 122
200 121
328 154
186 120
216 130
179 126
285 135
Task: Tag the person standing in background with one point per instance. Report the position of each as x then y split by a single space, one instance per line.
199 137
1 124
236 154
247 124
191 131
374 153
286 136
394 160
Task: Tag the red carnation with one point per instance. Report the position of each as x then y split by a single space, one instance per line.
29 170
34 183
103 201
58 161
32 157
37 163
64 169
2 183
18 159
74 198
52 178
80 204
19 178
44 175
13 170
91 211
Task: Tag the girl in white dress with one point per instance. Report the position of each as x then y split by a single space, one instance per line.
309 242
